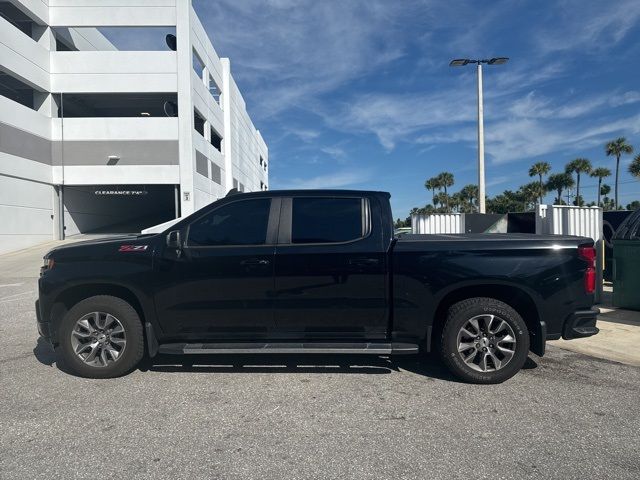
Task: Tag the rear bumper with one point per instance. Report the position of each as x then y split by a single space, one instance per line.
581 324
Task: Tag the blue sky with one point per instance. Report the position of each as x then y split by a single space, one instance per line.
358 93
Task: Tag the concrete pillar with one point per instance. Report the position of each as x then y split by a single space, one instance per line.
176 189
226 110
58 212
185 108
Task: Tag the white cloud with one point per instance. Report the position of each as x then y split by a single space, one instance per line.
589 27
304 134
340 179
334 151
289 52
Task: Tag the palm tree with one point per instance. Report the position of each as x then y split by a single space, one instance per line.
431 185
617 148
578 166
540 169
445 180
600 173
634 168
442 199
457 202
469 193
532 192
559 182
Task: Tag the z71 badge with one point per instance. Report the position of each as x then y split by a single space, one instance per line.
133 248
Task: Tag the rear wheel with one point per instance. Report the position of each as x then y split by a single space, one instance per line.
484 340
101 337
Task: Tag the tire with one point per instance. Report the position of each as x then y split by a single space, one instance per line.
487 354
121 337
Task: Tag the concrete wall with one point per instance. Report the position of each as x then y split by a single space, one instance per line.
26 211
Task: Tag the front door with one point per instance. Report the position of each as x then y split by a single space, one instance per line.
220 285
330 272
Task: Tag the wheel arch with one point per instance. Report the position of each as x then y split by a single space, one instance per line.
70 296
518 298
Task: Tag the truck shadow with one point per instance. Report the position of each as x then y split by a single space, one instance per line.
316 364
428 366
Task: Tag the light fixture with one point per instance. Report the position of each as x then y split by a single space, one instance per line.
459 62
498 61
145 114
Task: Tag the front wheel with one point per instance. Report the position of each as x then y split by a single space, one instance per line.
101 337
484 341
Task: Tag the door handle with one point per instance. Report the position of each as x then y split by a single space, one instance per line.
364 262
254 262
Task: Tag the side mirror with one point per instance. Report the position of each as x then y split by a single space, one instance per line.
173 239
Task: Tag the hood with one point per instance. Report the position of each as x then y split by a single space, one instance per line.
106 241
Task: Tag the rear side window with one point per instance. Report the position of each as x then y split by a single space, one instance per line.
239 223
326 220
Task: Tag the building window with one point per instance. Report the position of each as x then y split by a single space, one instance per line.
216 140
80 105
16 18
216 173
198 122
15 90
214 90
202 164
198 64
101 39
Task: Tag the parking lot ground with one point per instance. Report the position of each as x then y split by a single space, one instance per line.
565 416
619 335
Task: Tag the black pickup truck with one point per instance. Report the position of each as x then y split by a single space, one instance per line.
317 272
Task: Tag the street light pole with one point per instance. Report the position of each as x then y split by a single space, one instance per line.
481 180
481 185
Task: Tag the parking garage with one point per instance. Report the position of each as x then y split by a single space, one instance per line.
115 209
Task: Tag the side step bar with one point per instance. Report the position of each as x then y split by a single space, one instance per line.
367 348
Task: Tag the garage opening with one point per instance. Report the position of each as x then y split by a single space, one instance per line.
117 209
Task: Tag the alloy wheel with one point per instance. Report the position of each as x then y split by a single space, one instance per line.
486 343
98 339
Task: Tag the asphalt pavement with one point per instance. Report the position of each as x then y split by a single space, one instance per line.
565 416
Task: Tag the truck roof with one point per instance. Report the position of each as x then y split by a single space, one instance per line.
312 192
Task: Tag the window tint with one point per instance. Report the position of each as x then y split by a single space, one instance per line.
323 220
239 223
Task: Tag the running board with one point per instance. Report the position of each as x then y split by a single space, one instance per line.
367 348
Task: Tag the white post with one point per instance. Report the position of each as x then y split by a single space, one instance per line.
481 189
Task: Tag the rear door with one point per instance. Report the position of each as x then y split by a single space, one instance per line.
330 270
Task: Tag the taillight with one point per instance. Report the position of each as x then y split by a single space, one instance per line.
588 254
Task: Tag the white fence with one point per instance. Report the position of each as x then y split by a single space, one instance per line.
581 221
569 220
438 223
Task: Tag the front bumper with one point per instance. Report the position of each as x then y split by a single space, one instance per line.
581 324
43 327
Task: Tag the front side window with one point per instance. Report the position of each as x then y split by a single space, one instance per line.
239 223
326 220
